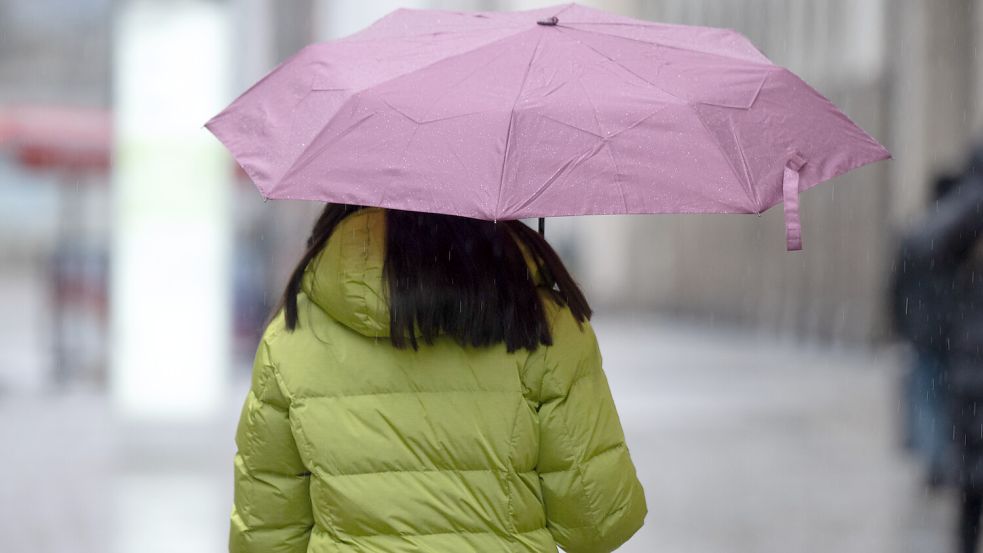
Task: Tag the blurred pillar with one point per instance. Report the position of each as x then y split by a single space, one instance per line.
931 60
254 41
171 230
977 94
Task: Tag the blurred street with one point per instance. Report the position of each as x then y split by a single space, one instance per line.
750 444
760 391
743 442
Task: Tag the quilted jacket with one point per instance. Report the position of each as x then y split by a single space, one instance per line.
346 444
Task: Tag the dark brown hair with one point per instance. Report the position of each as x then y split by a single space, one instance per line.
456 276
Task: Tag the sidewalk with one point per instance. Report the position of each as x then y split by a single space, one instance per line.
744 444
748 445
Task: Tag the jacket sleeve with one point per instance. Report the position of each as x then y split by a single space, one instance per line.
272 510
594 501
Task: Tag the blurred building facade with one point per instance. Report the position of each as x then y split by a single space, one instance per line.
54 212
906 70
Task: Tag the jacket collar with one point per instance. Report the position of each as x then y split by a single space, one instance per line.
345 278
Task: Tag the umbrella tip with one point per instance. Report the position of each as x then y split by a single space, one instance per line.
549 21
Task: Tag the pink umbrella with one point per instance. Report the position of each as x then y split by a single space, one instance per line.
564 110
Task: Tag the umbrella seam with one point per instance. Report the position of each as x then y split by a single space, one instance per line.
626 68
443 95
279 67
617 174
346 40
568 166
572 164
360 92
437 120
766 62
564 123
402 154
751 180
607 144
297 164
519 30
593 106
565 8
508 132
688 105
730 163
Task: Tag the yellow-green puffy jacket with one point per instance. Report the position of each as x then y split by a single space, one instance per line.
346 444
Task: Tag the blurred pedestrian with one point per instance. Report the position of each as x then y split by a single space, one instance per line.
920 301
431 383
952 240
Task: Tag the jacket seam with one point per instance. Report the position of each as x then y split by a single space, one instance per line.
620 446
614 513
332 524
301 399
325 475
510 468
577 379
273 473
317 528
591 511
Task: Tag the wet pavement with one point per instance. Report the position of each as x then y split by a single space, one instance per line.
744 443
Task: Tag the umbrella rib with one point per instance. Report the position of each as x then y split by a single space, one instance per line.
352 39
443 59
628 69
764 62
279 67
564 169
359 92
508 132
750 180
593 106
608 148
564 123
468 15
565 8
447 90
617 174
402 157
730 163
303 160
688 105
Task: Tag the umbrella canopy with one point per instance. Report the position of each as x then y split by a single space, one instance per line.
563 110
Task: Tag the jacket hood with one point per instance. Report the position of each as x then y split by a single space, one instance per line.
345 278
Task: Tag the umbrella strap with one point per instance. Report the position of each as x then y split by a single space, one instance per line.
790 196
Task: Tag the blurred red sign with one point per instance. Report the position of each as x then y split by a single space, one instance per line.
73 139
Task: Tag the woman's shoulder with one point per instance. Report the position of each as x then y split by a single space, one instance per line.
552 369
574 343
314 331
562 322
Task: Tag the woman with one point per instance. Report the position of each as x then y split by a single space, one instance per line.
431 384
